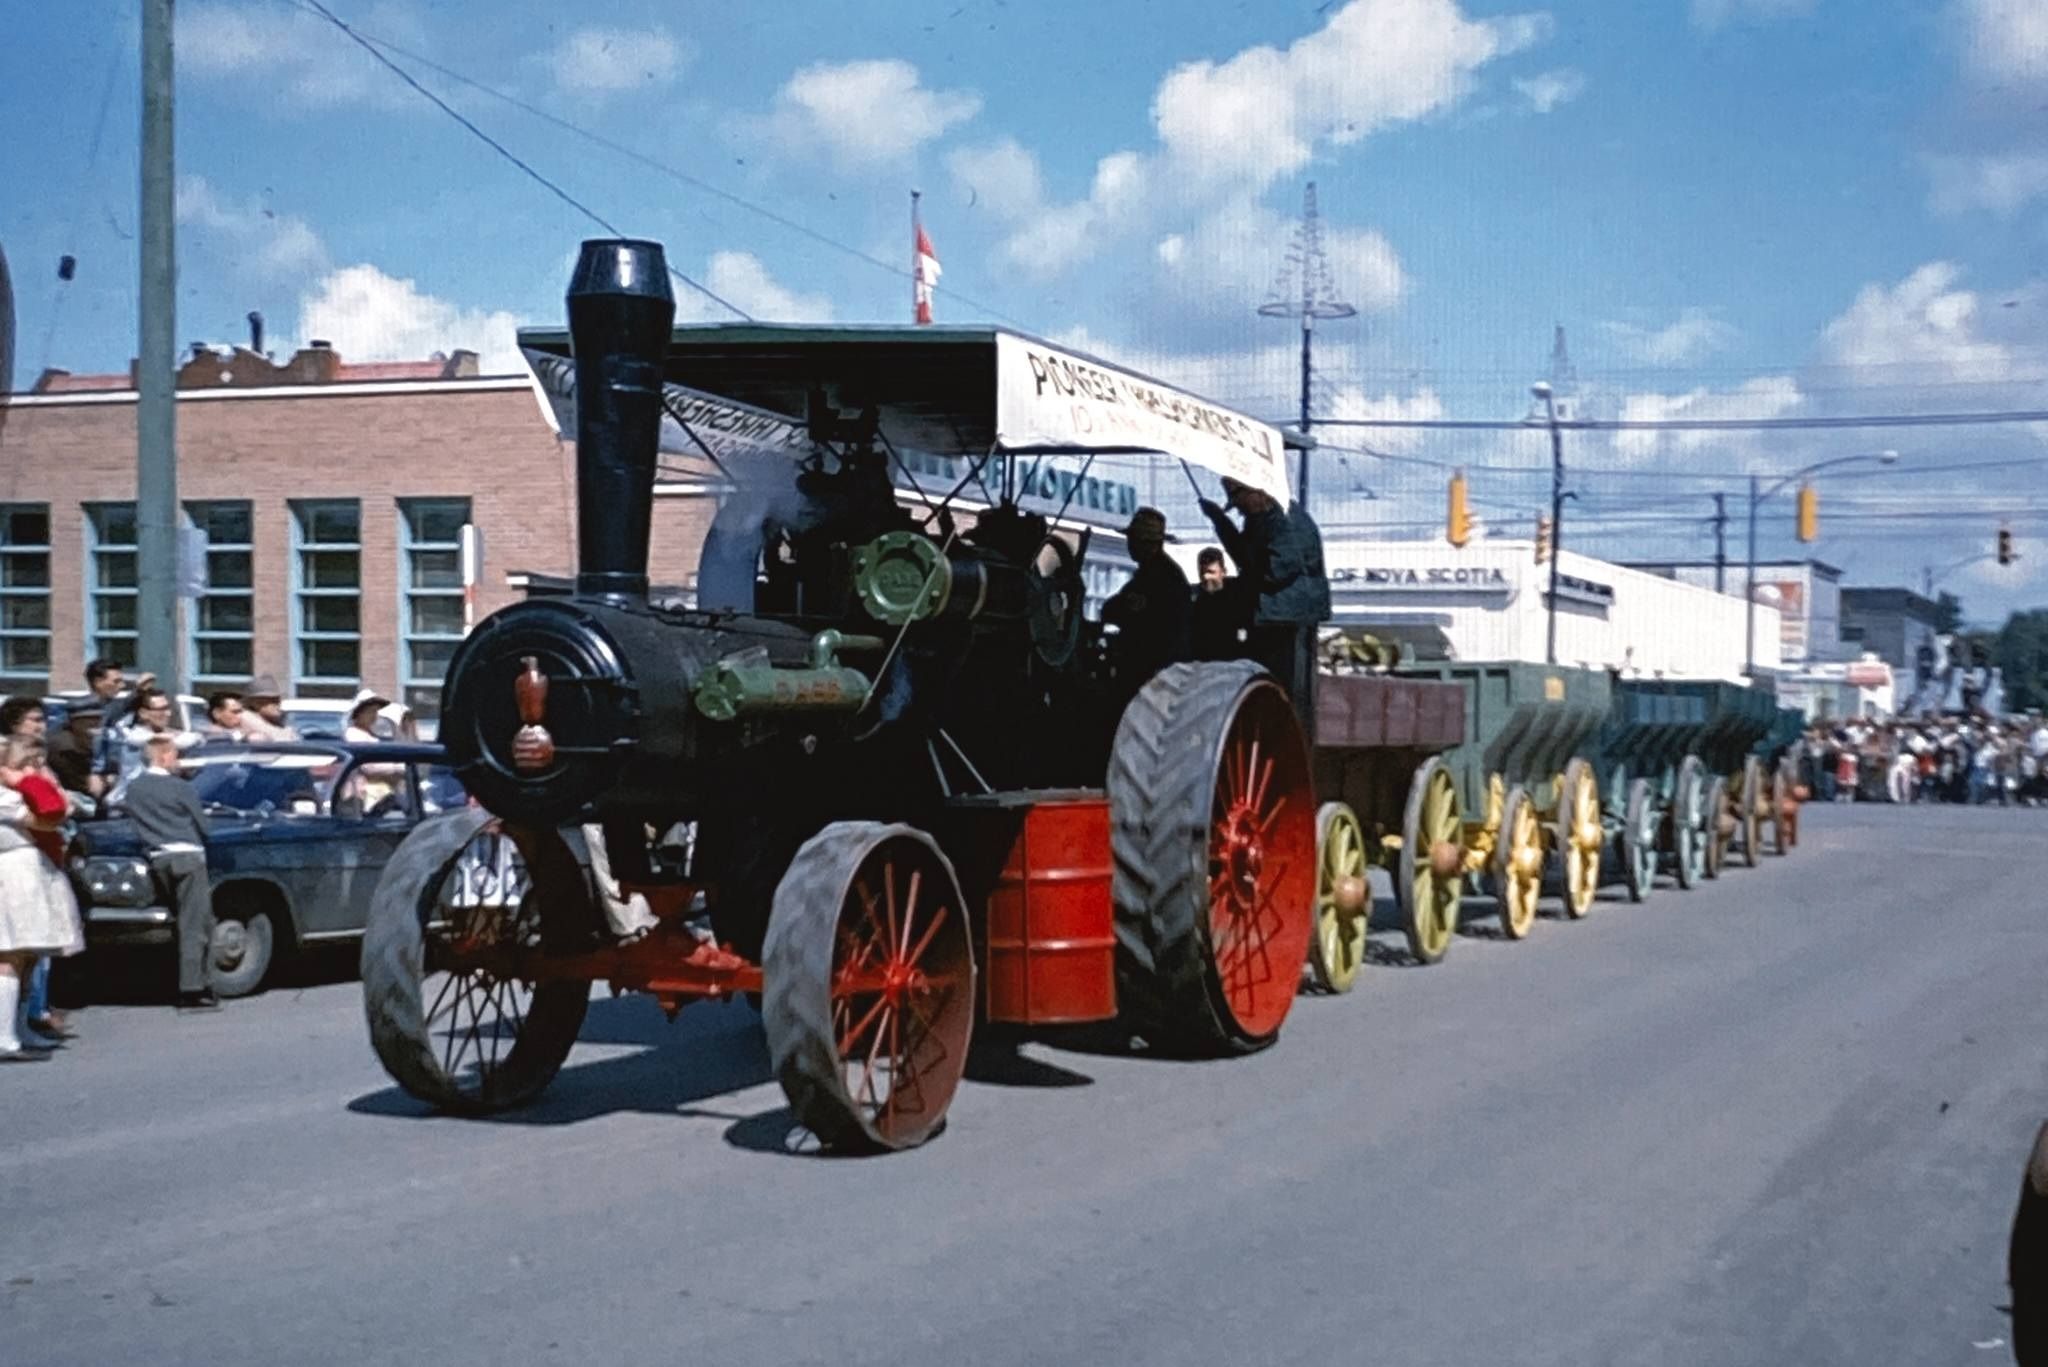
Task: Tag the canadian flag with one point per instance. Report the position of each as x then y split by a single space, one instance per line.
925 274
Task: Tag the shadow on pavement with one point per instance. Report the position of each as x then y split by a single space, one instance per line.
710 1050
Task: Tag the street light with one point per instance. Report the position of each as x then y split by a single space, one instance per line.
1757 497
1541 389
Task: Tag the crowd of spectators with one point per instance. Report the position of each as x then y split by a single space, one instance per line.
1968 760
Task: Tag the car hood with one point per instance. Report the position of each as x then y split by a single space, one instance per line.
116 835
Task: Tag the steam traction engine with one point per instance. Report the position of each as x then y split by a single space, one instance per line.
893 794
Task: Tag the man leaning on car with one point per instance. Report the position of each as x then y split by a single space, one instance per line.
171 821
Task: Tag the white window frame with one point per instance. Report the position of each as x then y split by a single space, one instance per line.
15 681
413 686
303 592
206 683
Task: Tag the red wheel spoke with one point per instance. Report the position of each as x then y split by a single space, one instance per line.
849 1038
889 901
1274 815
924 941
1251 769
902 946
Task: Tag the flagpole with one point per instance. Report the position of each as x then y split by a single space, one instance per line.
916 266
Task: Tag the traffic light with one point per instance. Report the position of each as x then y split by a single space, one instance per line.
1542 539
1458 527
2006 554
1809 513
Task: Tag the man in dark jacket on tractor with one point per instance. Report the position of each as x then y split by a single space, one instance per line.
1150 612
1279 553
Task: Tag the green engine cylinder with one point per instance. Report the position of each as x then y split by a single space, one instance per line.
748 684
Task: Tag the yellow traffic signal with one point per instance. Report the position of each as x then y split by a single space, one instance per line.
1458 527
1809 513
2005 551
1542 539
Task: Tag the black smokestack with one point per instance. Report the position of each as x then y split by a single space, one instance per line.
620 312
256 332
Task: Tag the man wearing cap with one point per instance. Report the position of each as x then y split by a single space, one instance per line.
263 711
1150 612
1280 554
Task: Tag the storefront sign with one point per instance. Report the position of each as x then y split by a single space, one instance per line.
1425 578
1585 592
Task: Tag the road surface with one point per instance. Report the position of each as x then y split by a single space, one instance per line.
1779 1119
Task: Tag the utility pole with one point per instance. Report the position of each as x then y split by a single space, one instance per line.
1720 543
156 437
1303 290
1749 588
1544 392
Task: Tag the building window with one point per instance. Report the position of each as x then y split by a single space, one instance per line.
110 582
327 598
222 653
24 597
430 556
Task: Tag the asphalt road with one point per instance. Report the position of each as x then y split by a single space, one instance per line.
1777 1120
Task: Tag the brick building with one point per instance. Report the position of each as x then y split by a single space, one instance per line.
332 496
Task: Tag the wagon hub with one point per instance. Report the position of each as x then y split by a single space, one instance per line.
1446 858
1349 894
1244 854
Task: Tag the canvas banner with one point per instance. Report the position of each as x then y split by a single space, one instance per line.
1049 398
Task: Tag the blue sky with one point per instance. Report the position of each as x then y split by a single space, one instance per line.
1736 208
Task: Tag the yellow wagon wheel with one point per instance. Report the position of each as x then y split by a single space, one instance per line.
1343 899
1432 862
1518 865
1579 836
1754 801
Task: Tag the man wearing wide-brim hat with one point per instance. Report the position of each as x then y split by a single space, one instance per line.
263 711
1279 552
1150 612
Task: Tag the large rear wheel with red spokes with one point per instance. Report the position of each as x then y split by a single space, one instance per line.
868 986
1213 828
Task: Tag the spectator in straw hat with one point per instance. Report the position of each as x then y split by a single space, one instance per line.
263 711
1150 612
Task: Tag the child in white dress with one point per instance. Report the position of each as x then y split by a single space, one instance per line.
38 914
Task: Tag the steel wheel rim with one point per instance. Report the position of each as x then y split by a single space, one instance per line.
1339 945
1688 827
902 1004
1642 843
1522 836
487 925
1261 861
1716 851
1434 900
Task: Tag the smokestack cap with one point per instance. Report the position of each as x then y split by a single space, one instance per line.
622 266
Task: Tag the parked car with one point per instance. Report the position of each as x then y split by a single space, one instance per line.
298 836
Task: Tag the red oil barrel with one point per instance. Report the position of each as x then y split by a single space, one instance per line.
1051 931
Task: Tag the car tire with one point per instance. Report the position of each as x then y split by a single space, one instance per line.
239 957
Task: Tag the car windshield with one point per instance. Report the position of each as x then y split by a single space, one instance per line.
316 723
291 784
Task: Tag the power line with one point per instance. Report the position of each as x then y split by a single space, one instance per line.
673 172
505 151
1693 424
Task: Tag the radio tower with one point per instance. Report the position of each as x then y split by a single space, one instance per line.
1303 290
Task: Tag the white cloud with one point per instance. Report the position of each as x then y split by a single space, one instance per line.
1711 14
742 279
1351 403
603 61
2000 182
865 114
1223 265
1548 90
371 316
1050 237
274 52
2006 41
269 245
1922 330
1260 116
1766 396
1000 176
1696 335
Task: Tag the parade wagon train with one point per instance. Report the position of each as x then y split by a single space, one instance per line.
1739 800
873 776
1511 799
1657 788
1779 751
1384 803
